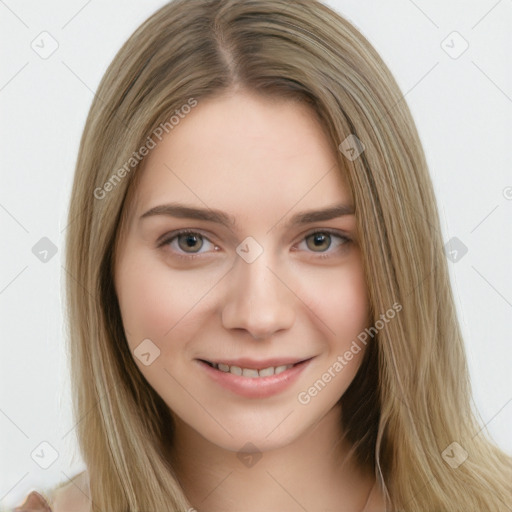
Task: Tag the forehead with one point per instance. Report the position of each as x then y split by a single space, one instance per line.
243 153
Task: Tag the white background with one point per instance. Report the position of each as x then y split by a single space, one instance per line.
463 110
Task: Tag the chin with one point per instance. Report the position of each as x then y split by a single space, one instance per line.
249 440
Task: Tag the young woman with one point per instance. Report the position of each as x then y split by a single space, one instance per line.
260 308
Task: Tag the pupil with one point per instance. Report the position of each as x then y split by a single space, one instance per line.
321 241
189 241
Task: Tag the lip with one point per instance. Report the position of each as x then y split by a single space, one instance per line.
245 362
260 387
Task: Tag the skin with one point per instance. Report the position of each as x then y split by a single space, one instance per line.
261 161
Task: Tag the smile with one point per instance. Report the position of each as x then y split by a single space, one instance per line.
250 372
254 379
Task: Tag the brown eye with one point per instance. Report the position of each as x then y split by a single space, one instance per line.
318 242
325 244
187 244
190 242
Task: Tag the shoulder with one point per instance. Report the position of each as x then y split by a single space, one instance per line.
72 496
34 502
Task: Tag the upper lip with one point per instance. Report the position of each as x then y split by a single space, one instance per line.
258 364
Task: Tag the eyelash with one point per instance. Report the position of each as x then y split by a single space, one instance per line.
322 255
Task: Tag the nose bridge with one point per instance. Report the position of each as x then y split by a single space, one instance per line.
257 300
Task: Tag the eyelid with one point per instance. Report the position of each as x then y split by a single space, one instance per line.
171 235
329 231
165 240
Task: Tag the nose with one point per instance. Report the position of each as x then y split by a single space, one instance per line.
258 300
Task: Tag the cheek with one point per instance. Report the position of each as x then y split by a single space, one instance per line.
158 302
340 300
146 303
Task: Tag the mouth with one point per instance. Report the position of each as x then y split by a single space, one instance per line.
255 379
254 370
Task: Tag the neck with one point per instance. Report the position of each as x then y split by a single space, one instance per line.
314 472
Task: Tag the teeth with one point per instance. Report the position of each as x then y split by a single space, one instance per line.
267 371
247 372
236 370
250 372
280 369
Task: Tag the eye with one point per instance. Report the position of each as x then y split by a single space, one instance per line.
322 241
188 242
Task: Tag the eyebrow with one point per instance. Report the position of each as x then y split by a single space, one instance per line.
207 214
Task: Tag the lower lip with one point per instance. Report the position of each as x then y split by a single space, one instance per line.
256 387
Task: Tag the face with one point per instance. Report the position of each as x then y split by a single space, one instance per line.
240 250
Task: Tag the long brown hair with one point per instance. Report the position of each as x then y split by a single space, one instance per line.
410 401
